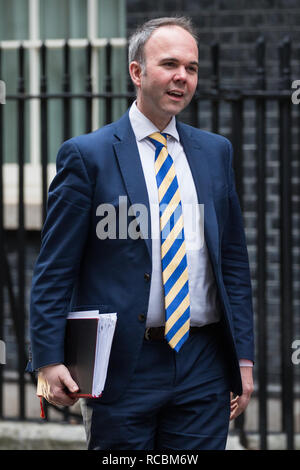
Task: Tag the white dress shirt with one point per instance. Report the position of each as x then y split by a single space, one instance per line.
203 295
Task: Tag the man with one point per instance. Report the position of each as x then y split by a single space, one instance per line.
183 300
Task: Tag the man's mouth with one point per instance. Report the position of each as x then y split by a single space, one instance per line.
175 93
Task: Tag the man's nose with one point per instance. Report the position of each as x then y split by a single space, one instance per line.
180 74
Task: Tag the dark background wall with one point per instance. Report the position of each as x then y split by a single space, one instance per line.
236 24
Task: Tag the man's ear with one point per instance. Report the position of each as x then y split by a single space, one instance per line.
135 71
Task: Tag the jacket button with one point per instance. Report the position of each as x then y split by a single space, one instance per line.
147 277
142 317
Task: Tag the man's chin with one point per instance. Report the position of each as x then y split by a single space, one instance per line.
175 108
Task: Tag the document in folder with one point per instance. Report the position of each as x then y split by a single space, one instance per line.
88 341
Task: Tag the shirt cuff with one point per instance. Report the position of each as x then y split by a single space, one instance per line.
245 363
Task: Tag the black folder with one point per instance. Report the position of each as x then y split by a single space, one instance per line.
88 340
80 352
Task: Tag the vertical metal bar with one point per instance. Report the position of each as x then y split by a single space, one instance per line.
66 122
286 278
44 148
260 113
21 234
1 243
108 85
215 84
44 130
237 142
66 89
89 102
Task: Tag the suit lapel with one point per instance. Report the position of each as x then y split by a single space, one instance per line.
132 172
198 161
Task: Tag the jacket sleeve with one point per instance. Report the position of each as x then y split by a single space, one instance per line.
236 272
63 239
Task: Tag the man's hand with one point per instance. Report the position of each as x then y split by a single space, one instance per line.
52 383
239 404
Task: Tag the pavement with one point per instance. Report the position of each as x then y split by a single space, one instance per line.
19 435
52 436
36 433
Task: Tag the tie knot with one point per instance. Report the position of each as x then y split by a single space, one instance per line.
159 139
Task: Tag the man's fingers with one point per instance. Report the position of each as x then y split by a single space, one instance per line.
233 406
60 398
68 382
238 405
60 395
234 400
234 414
55 382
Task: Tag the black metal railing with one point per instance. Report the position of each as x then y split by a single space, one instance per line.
216 95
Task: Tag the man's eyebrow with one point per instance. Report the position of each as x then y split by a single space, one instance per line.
173 59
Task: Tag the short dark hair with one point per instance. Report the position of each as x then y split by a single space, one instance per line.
139 38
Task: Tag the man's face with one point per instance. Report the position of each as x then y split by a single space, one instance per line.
169 80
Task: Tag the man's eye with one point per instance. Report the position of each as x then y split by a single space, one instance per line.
192 69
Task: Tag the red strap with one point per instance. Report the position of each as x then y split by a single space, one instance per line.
42 415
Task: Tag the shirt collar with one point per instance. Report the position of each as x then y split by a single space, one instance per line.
143 127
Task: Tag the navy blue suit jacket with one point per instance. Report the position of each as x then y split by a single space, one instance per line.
77 270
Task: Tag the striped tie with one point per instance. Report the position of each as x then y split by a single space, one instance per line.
173 250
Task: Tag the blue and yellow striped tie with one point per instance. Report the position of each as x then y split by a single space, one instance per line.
173 249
